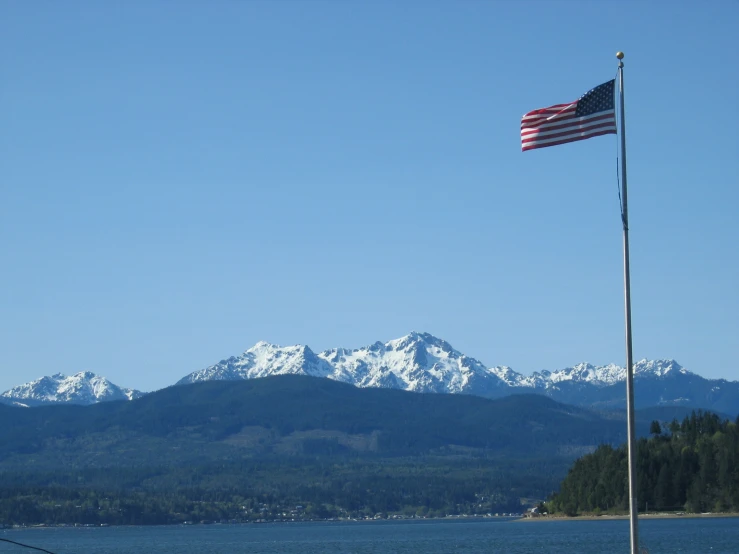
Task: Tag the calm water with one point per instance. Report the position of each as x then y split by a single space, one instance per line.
668 536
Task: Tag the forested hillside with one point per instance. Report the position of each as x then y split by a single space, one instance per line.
294 415
691 466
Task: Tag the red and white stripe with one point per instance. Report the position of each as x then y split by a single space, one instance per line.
557 125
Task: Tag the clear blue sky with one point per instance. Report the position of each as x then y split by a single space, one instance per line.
179 180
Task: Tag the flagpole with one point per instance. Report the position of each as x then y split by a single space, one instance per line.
633 507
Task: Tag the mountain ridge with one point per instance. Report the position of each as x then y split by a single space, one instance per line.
264 416
421 362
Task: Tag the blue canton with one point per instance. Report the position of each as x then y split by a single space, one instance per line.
596 100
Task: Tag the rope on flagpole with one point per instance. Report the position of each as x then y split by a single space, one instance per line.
624 224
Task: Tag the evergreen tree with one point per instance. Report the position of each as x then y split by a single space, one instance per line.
655 428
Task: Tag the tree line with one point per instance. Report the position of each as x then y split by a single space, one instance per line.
691 466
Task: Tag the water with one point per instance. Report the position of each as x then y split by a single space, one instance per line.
669 536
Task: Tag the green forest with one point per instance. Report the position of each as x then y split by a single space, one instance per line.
272 490
691 466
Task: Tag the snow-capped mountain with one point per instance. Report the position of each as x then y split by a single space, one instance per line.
82 388
420 362
602 376
417 362
261 360
656 383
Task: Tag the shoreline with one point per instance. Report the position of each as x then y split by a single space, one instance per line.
509 519
654 515
477 517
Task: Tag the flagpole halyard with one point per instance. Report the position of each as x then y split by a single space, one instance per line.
630 419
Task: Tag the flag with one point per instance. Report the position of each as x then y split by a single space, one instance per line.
590 116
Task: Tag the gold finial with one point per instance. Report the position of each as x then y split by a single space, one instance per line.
620 55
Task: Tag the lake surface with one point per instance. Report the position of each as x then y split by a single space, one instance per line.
668 536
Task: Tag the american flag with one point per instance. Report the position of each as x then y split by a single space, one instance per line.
590 116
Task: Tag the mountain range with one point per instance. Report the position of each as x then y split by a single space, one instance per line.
421 362
293 440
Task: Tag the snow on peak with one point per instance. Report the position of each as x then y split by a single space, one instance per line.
416 362
418 340
602 376
261 360
510 377
658 368
84 387
589 373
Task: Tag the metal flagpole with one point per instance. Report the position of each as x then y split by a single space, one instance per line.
633 515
